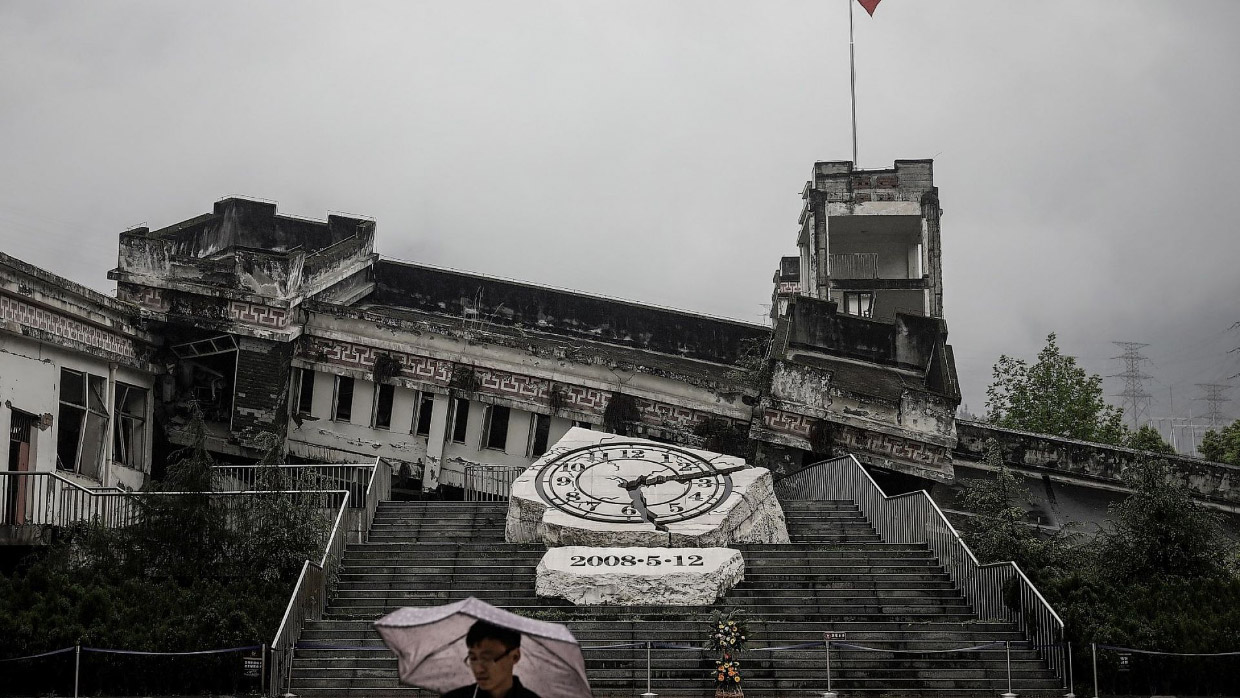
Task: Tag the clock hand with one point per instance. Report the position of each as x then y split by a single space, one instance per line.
639 503
645 480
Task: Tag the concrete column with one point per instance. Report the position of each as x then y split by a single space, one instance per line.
434 442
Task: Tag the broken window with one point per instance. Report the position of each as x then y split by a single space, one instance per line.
496 427
129 439
205 374
342 406
383 406
859 303
305 392
540 430
83 423
460 419
422 420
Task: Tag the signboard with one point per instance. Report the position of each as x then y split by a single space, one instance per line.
252 667
1124 660
834 635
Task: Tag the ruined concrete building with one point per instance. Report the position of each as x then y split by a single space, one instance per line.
282 324
267 323
75 386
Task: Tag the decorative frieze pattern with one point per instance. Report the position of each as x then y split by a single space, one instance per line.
788 422
27 315
258 314
527 388
893 447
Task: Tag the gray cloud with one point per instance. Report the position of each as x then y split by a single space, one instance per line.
655 150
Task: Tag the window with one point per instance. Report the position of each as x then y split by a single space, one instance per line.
383 406
497 427
343 404
129 441
859 303
460 419
540 429
305 392
422 420
582 425
83 423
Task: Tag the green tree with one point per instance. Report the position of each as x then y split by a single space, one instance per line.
1161 531
1222 446
1052 396
1147 438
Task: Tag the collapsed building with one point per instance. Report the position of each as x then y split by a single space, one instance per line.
280 324
266 323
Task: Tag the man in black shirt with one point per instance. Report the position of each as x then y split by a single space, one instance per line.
493 652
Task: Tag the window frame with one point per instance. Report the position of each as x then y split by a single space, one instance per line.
348 415
425 404
130 435
305 398
531 448
377 403
459 421
488 428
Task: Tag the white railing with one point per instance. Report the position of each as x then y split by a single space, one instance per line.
856 265
350 477
995 590
313 585
50 499
490 483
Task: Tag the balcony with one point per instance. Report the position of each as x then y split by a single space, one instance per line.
859 271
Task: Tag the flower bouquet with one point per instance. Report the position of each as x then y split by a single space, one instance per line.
727 677
728 632
728 635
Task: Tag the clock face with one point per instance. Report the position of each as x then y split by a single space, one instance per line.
631 482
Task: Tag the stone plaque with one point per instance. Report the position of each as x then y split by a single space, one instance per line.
588 575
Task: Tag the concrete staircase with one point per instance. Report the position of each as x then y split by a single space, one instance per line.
837 575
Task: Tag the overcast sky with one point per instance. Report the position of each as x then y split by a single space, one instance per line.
655 151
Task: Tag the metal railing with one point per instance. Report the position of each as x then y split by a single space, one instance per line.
50 499
858 265
313 585
350 477
490 483
995 590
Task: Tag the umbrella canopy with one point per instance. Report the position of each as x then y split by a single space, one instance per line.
430 643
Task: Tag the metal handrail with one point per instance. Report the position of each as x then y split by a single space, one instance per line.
309 595
490 483
915 518
346 476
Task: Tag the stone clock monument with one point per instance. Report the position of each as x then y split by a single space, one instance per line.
597 489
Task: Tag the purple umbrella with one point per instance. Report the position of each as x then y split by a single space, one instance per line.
430 643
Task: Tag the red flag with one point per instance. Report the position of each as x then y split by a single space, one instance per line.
870 5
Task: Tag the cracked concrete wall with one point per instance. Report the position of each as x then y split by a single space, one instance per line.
1092 462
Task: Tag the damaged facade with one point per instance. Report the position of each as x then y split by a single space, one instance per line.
282 324
270 323
75 386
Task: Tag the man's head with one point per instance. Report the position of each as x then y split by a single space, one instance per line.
493 652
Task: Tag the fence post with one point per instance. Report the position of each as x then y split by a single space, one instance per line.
77 667
829 693
262 676
1093 647
1071 677
1007 649
648 694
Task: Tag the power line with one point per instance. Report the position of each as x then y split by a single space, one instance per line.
1134 395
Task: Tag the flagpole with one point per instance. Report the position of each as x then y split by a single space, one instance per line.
852 63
